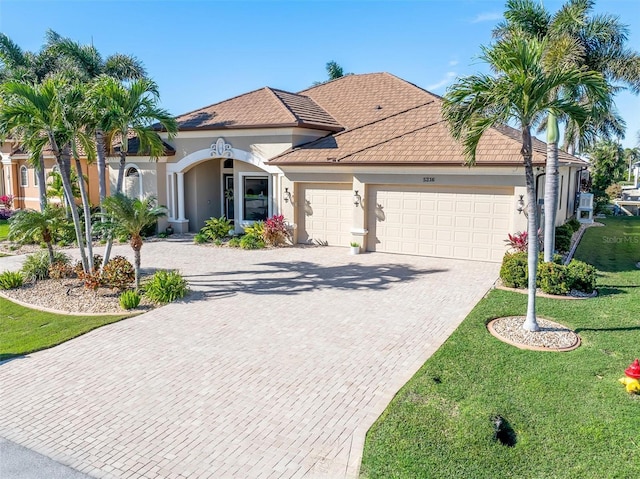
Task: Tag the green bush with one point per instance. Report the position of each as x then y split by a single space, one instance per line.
165 287
234 242
563 238
252 241
216 228
582 276
60 270
118 273
200 238
36 266
129 299
514 271
256 229
553 278
574 224
11 280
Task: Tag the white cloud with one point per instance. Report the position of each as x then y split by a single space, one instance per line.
487 17
444 82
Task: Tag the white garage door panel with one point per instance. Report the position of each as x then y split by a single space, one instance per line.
460 223
327 214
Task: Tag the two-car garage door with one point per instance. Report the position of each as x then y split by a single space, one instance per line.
459 223
450 222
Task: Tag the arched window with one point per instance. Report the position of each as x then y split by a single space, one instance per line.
24 176
132 183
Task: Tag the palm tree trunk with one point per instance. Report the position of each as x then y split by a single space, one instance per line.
101 164
123 162
531 323
42 184
136 263
551 188
87 214
64 162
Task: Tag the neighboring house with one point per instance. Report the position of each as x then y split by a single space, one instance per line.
364 158
19 178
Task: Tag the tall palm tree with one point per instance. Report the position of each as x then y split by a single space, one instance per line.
596 42
39 116
90 66
521 91
130 217
632 156
29 225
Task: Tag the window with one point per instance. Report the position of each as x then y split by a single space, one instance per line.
24 178
228 164
132 184
35 177
256 198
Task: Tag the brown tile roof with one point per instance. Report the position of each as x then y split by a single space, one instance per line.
266 107
407 129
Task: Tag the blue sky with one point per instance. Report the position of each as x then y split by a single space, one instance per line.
204 51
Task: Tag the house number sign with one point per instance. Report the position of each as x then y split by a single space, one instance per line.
428 179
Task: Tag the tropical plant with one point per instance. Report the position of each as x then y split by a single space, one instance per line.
36 265
129 299
594 42
166 287
518 242
130 216
275 232
30 225
11 279
6 201
216 228
607 164
41 115
118 273
521 91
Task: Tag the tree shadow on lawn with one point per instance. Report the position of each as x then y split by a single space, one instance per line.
627 328
302 277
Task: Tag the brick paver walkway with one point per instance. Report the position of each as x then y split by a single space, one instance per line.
275 367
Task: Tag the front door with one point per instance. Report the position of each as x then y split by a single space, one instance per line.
228 197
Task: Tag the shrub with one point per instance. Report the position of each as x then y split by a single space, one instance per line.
216 228
11 280
518 241
165 287
200 238
275 232
614 191
118 273
252 241
574 224
91 280
234 242
256 229
36 266
553 278
6 201
129 299
514 271
582 276
60 270
5 214
563 238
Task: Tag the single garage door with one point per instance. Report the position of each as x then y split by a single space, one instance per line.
326 213
455 222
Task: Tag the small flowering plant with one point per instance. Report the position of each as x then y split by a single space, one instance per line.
275 231
6 201
518 241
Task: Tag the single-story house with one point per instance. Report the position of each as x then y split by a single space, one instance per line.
364 158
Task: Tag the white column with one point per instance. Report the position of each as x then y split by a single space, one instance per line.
171 196
180 178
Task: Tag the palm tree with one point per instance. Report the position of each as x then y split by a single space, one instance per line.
521 92
41 226
90 66
55 188
599 44
39 116
130 217
632 156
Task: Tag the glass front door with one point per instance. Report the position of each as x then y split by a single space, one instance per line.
228 197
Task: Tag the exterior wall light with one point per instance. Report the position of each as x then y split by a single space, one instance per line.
357 199
287 195
520 204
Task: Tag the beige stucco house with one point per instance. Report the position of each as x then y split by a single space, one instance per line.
365 158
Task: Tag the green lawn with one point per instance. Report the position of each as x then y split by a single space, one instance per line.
24 330
571 416
4 229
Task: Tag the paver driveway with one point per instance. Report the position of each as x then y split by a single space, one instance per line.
275 367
